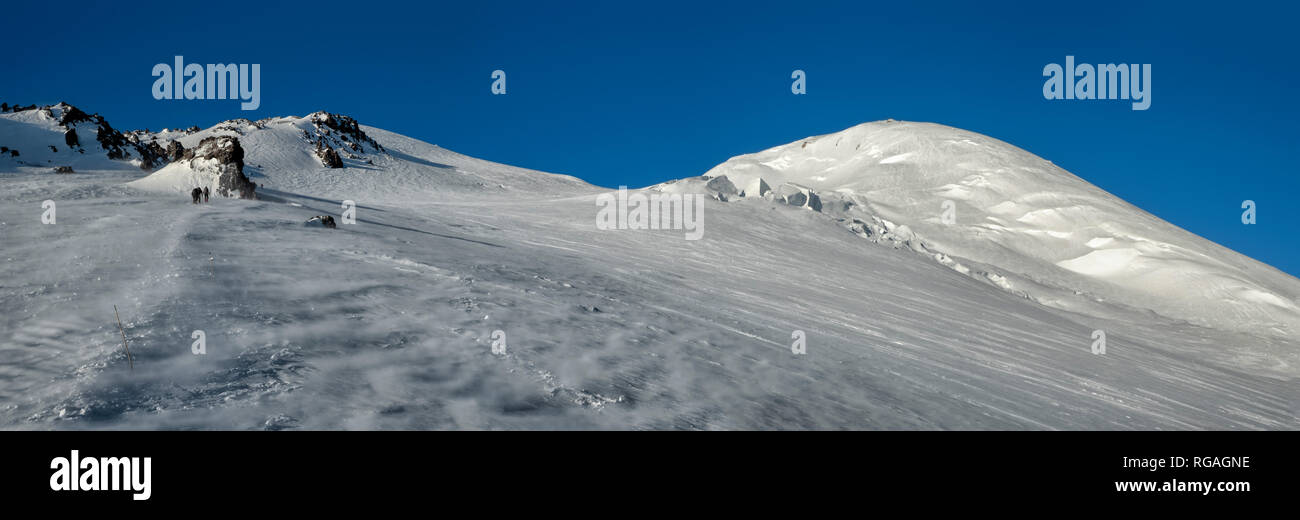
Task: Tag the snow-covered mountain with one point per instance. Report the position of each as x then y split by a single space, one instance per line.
320 153
1016 220
332 155
916 313
62 135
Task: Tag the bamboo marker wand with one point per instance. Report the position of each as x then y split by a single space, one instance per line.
123 331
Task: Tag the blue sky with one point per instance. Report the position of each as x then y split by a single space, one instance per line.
625 93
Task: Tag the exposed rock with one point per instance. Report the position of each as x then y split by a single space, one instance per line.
321 221
73 115
799 196
722 188
225 149
226 155
116 145
348 130
239 126
175 151
111 141
152 155
63 169
328 157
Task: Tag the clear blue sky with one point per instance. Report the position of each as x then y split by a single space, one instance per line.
636 93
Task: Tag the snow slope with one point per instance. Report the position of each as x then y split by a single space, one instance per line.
280 154
39 135
389 323
1040 230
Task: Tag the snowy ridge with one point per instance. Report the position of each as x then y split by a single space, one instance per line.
320 153
285 153
1020 221
58 135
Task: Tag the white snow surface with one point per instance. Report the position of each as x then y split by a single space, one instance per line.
388 324
34 132
1027 219
278 156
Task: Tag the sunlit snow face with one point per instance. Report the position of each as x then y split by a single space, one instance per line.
923 290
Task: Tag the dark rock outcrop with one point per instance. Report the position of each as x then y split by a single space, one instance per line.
116 145
175 151
63 169
73 115
347 129
120 146
152 155
321 220
111 141
328 157
229 157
